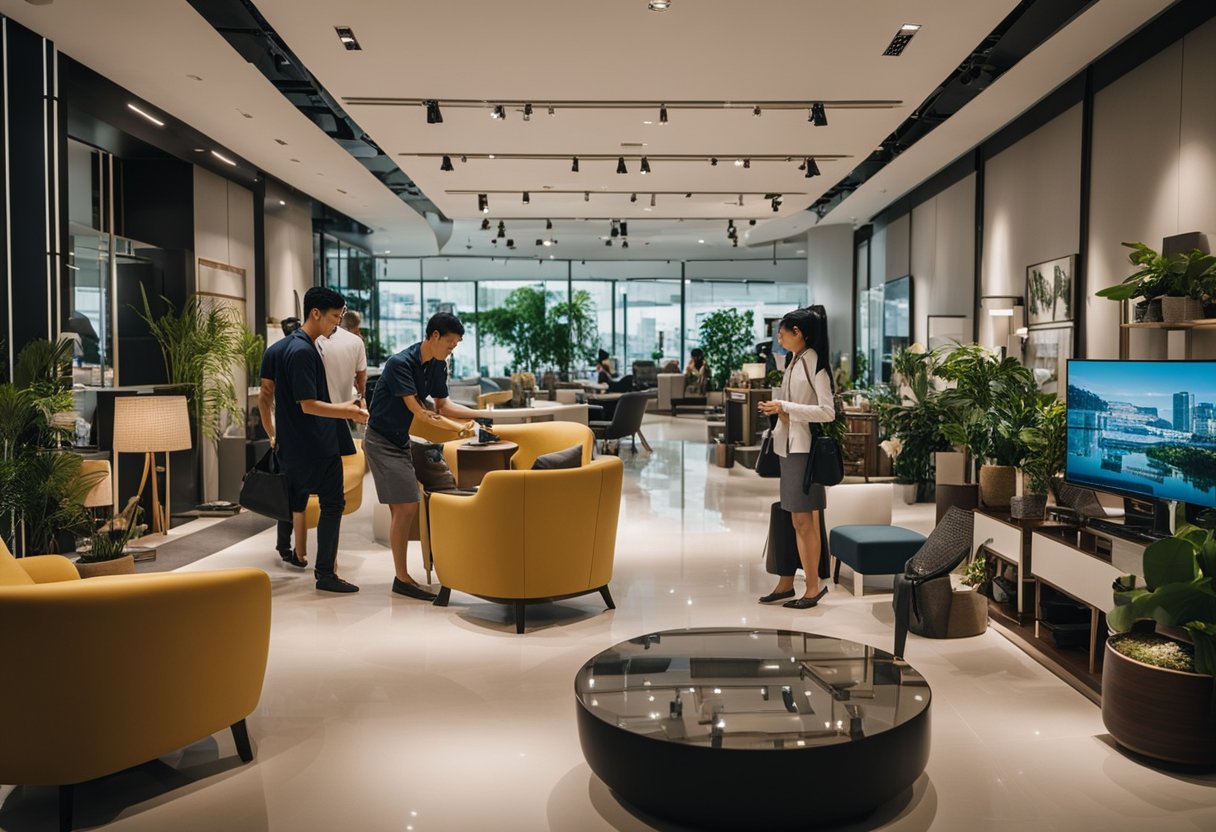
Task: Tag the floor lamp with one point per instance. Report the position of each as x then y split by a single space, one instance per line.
148 425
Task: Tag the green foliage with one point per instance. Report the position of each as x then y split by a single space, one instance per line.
1185 274
251 346
1046 442
976 571
45 370
1181 592
861 369
728 342
201 349
571 333
562 335
916 425
110 541
991 400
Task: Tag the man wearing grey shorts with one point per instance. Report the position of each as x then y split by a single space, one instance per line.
406 381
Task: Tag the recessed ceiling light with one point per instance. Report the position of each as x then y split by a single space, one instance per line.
223 158
910 27
702 242
146 115
282 202
647 122
659 5
386 251
348 38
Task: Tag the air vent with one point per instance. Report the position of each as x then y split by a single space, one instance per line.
348 38
901 40
633 144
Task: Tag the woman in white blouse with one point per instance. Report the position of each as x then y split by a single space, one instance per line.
805 396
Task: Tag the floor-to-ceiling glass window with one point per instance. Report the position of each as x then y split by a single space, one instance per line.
399 306
457 297
601 302
652 325
768 302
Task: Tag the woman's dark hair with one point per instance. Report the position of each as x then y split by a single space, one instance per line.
698 357
445 323
603 355
812 322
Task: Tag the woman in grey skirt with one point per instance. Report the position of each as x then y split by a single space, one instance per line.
805 396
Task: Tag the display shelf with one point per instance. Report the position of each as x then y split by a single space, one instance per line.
1179 325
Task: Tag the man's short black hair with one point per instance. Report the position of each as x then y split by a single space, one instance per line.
322 298
445 323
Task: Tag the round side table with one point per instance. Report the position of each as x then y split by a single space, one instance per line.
474 461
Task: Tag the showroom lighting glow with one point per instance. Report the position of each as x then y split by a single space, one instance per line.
223 158
499 112
659 5
483 203
148 116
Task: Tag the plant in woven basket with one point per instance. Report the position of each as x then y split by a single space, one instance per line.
110 540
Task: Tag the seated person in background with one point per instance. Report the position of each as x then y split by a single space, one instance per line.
672 366
603 368
696 373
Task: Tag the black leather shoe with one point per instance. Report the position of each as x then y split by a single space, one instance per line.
333 583
412 590
289 557
806 603
776 596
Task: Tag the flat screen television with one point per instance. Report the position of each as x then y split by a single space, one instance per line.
1143 429
896 320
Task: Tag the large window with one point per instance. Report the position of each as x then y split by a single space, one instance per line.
651 319
768 302
457 297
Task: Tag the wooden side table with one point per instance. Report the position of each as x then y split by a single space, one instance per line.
473 462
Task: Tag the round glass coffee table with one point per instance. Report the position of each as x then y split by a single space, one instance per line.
749 728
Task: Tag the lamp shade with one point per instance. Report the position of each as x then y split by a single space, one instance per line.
151 423
754 371
101 494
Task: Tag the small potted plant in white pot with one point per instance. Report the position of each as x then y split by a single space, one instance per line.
107 553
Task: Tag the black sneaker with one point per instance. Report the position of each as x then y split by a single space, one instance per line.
412 590
333 583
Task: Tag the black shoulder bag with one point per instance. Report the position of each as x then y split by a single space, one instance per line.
825 465
264 490
768 464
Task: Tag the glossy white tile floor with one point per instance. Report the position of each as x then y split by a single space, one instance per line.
382 713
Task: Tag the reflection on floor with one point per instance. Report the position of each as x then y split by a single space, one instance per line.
382 713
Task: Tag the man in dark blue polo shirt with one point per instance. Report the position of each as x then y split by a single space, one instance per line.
407 380
298 556
311 432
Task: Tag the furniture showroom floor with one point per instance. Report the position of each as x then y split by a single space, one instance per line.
383 713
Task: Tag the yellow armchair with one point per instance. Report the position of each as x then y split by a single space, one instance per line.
530 536
353 469
104 674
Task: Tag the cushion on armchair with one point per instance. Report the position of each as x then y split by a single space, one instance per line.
571 457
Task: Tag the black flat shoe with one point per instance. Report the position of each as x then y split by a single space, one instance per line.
291 559
776 596
806 603
335 584
412 590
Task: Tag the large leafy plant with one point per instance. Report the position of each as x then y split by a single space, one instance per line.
571 332
728 342
1184 274
1046 444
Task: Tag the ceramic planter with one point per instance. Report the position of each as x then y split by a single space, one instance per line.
906 491
1177 310
1160 713
998 484
119 566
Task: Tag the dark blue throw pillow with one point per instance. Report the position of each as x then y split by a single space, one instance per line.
571 457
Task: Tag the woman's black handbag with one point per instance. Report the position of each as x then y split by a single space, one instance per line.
264 490
825 465
768 464
781 550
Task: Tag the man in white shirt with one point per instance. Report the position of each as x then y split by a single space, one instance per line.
345 359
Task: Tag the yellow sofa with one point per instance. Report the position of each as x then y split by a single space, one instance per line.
534 439
107 673
353 469
530 536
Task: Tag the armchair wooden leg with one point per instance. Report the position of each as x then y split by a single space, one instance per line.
607 597
520 606
836 572
441 597
645 444
65 808
240 733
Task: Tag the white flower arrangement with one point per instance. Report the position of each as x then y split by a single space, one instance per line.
892 447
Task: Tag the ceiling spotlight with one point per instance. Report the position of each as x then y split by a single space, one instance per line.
747 163
645 165
818 116
483 203
463 158
608 243
548 225
510 244
812 169
574 165
347 37
652 200
527 198
751 222
738 163
713 161
688 196
527 112
502 229
548 243
551 112
433 116
633 197
776 203
659 5
620 165
624 244
485 224
539 241
624 229
734 243
446 164
614 230
756 110
499 112
663 114
586 196
740 203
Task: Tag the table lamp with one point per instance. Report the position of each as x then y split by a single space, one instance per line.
147 425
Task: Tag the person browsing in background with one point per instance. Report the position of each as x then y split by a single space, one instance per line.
297 556
696 373
311 432
805 396
603 368
407 380
345 357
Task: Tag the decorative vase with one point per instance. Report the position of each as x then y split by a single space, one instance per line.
1177 310
998 484
1028 507
124 565
906 491
1153 313
1160 713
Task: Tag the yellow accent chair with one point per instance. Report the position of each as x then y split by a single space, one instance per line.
353 469
534 439
530 537
108 673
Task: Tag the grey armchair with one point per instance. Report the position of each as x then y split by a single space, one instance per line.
923 595
626 420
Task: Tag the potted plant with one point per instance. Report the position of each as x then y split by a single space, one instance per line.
1158 691
107 553
728 341
1046 443
1171 286
910 417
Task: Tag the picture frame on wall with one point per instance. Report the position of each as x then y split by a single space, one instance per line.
1045 352
945 330
1051 291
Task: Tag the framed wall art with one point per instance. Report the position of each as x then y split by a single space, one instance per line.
1050 293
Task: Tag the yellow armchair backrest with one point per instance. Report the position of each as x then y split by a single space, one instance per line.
534 440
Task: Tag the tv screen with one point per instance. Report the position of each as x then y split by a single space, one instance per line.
896 320
1143 428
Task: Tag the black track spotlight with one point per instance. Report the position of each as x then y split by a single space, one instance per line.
730 228
551 110
812 169
776 203
614 230
548 225
608 243
756 110
645 165
510 244
818 116
734 243
527 112
652 200
713 161
539 241
574 165
527 198
463 159
663 114
485 224
502 229
747 163
483 203
751 222
433 116
624 244
633 197
499 112
620 165
586 196
624 229
446 164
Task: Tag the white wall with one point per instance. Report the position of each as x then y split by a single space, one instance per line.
829 279
895 262
942 258
289 263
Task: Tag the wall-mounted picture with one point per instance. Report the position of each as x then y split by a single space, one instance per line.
1046 354
1049 291
948 330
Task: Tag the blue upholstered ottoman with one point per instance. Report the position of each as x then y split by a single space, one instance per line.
872 550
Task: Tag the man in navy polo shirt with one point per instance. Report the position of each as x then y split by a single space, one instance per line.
298 556
407 380
311 432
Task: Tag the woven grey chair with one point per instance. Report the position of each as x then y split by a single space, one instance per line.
1081 500
923 594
